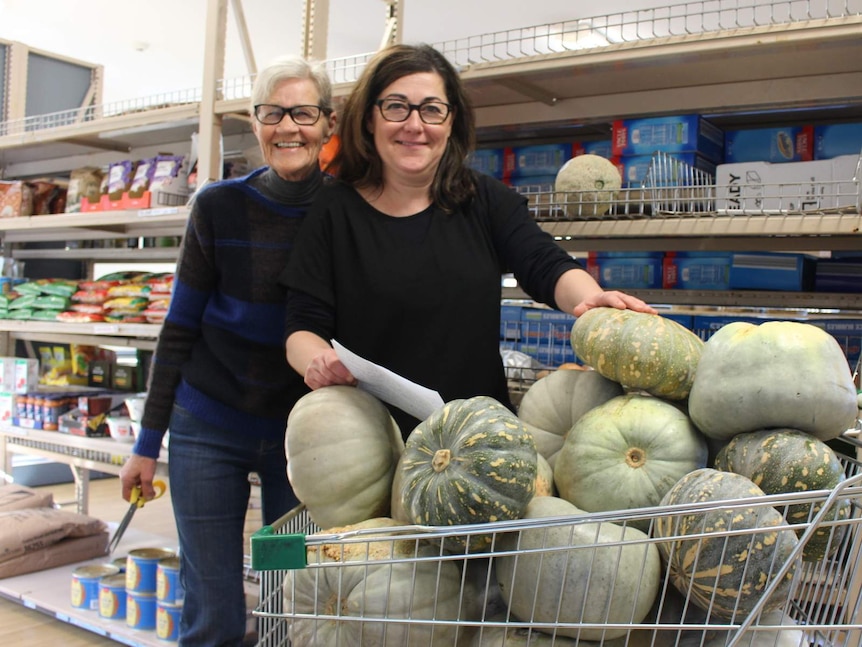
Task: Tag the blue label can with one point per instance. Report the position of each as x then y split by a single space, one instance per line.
85 585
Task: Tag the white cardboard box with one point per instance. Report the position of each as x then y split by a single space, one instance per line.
26 374
764 187
7 374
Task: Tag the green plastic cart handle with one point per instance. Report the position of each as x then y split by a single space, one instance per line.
271 551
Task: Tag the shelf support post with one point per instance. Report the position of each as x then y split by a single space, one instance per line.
209 135
315 25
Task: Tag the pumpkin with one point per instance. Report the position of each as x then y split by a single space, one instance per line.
554 403
640 444
724 572
342 446
773 375
471 461
379 587
587 185
544 477
584 583
788 460
639 350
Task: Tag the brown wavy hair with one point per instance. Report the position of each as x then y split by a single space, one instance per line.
359 163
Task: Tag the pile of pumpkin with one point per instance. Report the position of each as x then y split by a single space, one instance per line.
663 419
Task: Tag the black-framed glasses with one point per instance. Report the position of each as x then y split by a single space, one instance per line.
271 114
431 112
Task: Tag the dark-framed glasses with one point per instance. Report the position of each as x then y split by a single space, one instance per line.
431 112
271 114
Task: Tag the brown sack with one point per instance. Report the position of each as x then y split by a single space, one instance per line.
19 497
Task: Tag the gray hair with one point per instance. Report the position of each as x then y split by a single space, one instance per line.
291 67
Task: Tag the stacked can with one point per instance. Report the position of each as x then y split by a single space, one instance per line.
169 598
141 567
85 584
112 597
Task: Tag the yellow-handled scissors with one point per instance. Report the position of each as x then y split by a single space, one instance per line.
136 500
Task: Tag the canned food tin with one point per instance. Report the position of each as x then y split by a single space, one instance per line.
168 586
85 584
120 562
141 569
112 597
140 610
168 621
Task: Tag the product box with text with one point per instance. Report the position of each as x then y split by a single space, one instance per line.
672 134
787 144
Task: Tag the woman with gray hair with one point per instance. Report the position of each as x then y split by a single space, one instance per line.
219 378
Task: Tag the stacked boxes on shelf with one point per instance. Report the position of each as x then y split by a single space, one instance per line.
626 270
835 140
776 145
690 139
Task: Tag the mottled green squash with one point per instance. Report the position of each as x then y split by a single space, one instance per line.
640 351
471 461
773 375
627 453
788 460
725 574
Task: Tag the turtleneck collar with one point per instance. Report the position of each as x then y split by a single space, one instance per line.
293 193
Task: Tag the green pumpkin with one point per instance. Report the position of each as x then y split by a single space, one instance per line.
471 461
779 374
639 443
640 351
725 574
779 461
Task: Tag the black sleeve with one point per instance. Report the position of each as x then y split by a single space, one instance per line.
525 249
307 312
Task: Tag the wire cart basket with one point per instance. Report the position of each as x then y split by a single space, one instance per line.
586 579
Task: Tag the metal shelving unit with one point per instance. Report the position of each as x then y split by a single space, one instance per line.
733 60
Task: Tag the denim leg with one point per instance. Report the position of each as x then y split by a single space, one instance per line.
277 497
208 470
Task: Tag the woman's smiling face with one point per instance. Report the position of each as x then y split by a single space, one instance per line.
411 149
289 149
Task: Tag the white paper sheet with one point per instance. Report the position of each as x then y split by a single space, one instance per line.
390 387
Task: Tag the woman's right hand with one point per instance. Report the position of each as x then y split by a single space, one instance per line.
138 470
325 369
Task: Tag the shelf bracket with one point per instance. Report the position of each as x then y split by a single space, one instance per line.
528 90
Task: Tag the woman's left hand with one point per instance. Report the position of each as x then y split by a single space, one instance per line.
613 299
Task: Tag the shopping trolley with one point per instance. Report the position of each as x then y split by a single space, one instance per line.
410 585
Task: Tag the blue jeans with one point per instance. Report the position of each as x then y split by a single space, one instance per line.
208 468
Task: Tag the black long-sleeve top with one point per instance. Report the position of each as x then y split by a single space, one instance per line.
421 294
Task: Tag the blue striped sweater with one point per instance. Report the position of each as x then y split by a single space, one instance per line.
220 354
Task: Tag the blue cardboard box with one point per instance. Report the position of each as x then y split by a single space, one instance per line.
693 271
772 271
602 148
838 275
550 326
510 322
834 140
788 144
489 161
614 271
670 134
545 159
634 169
